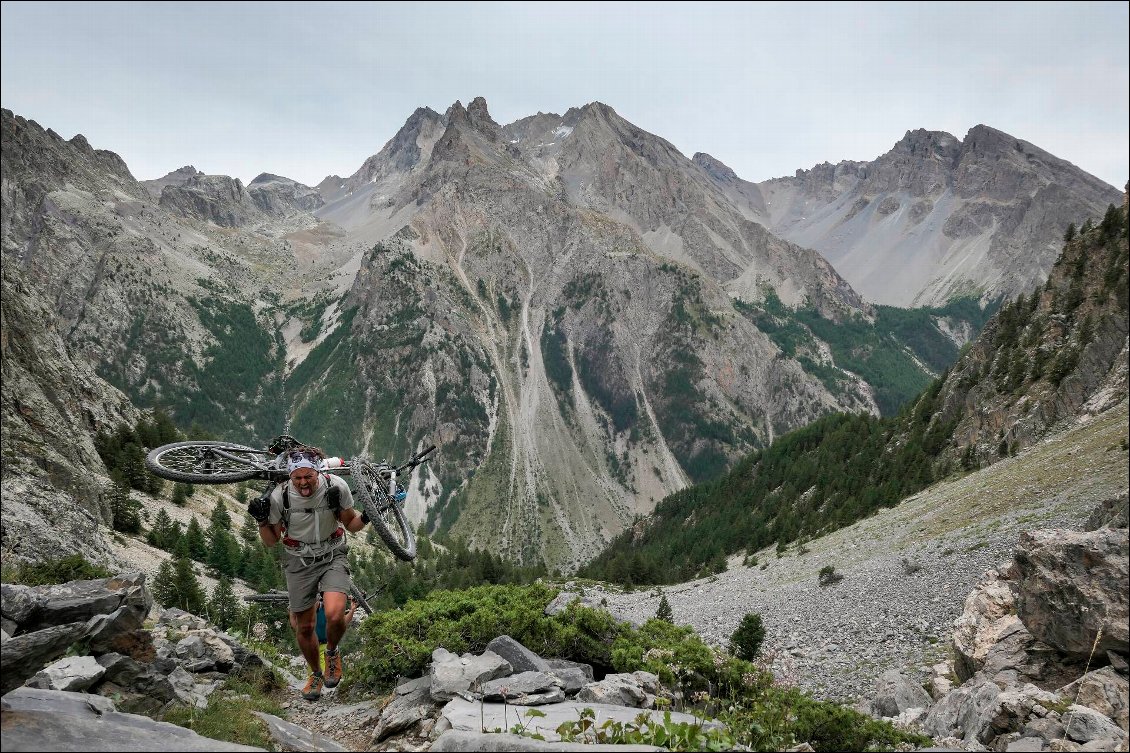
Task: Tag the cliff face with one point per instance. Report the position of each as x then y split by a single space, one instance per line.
934 218
1055 355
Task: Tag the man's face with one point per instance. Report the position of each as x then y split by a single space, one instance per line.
305 481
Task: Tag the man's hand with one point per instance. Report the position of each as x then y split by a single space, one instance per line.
260 509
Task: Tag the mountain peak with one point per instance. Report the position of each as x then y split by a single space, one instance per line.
457 113
714 167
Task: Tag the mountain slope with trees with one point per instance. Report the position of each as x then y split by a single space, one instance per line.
1043 360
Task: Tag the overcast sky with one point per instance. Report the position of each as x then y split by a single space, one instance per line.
311 89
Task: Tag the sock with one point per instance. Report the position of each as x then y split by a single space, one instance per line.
331 651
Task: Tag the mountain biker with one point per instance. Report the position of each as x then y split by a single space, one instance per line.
310 514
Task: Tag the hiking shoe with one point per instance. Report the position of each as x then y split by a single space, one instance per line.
333 669
313 689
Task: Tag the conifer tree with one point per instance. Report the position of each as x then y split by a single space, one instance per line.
164 587
249 532
158 535
223 607
746 641
197 541
124 510
189 594
664 611
180 494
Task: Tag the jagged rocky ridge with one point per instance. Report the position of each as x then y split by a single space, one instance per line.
933 218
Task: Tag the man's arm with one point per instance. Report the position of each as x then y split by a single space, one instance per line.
270 533
260 509
349 517
351 520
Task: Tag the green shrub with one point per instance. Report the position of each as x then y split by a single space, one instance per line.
746 641
54 571
828 576
400 642
672 652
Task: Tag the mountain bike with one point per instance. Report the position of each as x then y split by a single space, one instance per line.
281 599
212 462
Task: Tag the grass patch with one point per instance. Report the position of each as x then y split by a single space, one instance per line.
229 714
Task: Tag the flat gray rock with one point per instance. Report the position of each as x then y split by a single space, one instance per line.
453 674
55 720
455 740
293 737
71 673
472 716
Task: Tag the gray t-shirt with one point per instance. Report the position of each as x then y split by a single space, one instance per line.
311 519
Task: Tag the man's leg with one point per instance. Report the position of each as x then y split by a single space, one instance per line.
303 624
335 619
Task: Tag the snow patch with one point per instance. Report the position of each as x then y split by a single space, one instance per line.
562 131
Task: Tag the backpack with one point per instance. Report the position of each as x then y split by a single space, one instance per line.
333 496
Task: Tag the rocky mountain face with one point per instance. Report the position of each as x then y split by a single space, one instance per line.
578 368
1046 360
1051 356
934 218
561 303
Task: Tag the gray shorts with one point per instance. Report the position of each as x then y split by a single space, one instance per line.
305 581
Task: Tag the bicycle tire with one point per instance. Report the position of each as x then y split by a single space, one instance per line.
359 596
183 461
385 515
280 599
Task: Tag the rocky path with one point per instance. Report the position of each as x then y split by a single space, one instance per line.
836 640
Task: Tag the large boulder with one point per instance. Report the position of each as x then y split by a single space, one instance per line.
405 710
506 742
204 651
1111 513
36 719
474 716
1105 691
24 655
293 737
979 712
1072 589
636 690
521 658
79 600
990 611
896 693
452 675
525 689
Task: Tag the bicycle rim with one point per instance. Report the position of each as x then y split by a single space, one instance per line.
204 462
386 516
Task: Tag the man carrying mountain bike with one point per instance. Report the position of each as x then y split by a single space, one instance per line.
310 514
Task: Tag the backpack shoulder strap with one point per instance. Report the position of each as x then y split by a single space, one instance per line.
333 494
286 504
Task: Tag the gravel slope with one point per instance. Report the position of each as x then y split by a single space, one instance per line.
836 640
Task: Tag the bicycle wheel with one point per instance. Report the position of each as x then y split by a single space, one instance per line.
277 598
386 516
359 596
200 462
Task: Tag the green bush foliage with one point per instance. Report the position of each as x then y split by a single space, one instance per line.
400 642
54 571
745 643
